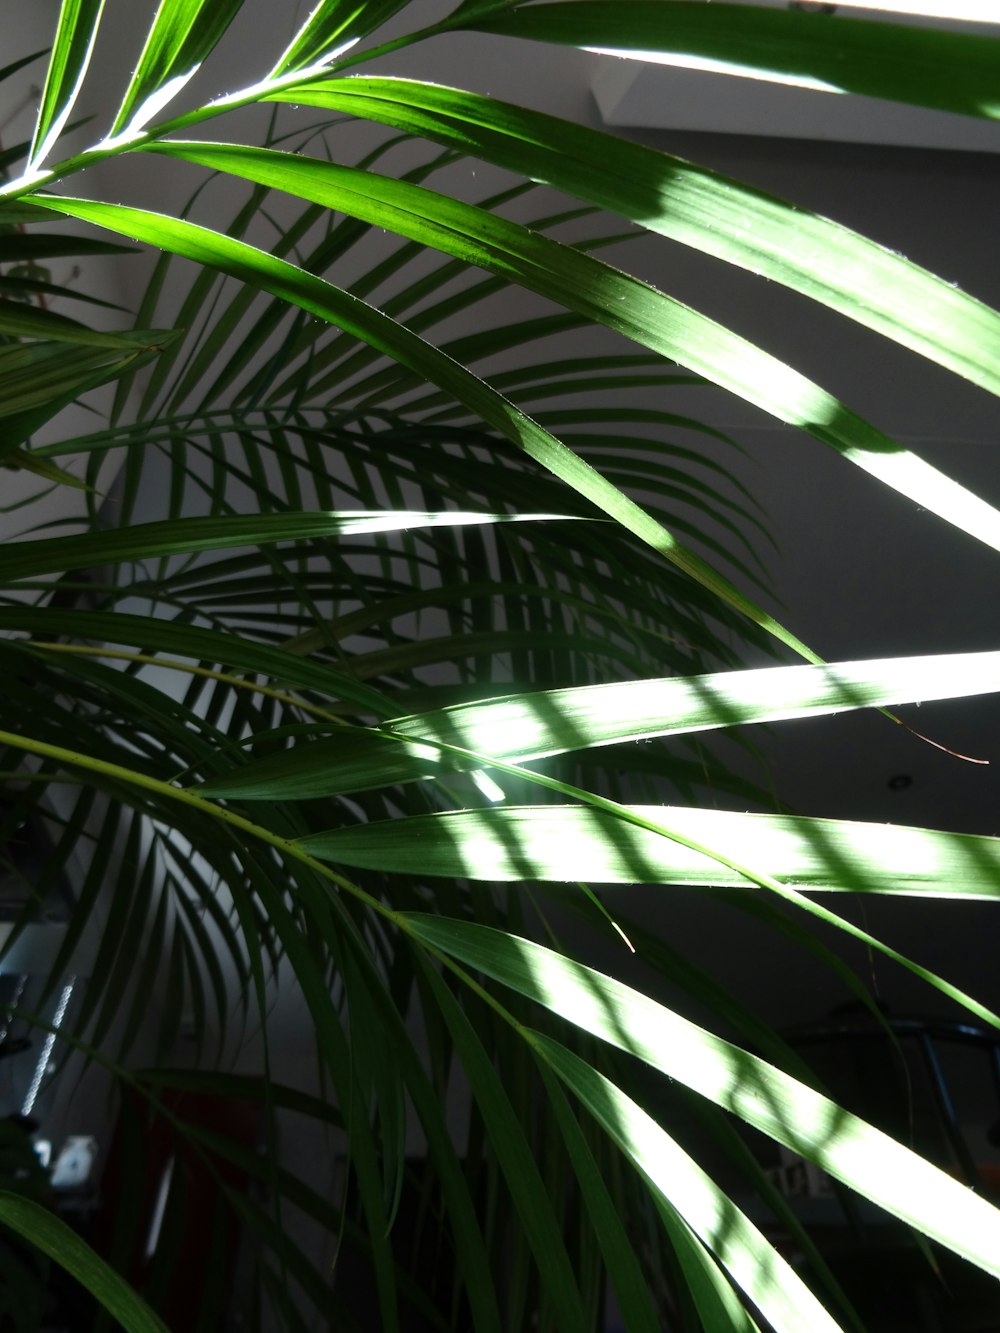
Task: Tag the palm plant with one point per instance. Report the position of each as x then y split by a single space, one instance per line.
433 626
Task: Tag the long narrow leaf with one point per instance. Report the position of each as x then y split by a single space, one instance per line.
534 725
531 726
570 843
952 71
193 641
182 34
805 1121
32 374
322 299
822 259
53 1237
20 320
768 1279
624 1271
537 1213
146 541
331 28
604 294
71 52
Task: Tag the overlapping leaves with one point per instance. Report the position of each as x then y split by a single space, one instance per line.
279 653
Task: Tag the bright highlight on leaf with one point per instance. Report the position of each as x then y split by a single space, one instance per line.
332 28
768 1279
570 843
384 334
538 724
208 534
964 11
925 66
531 726
803 1120
697 207
71 52
607 296
708 65
182 35
329 616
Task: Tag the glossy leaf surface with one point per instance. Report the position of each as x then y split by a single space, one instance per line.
789 1112
71 52
952 71
575 843
531 726
700 208
615 299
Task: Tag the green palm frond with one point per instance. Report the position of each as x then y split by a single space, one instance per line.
390 581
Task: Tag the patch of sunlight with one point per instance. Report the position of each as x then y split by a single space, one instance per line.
401 520
490 789
913 1189
925 485
321 66
153 104
56 128
753 1263
819 852
863 1157
427 754
28 180
709 66
515 844
535 725
481 854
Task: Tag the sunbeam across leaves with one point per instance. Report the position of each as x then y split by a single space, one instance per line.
376 645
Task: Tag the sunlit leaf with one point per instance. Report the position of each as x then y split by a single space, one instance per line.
813 1126
394 339
611 297
772 1285
571 843
332 28
181 35
301 422
533 725
149 540
530 726
698 207
71 52
952 71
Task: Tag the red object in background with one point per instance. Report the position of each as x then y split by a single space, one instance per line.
166 1221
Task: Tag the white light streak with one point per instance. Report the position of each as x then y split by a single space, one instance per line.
43 1060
